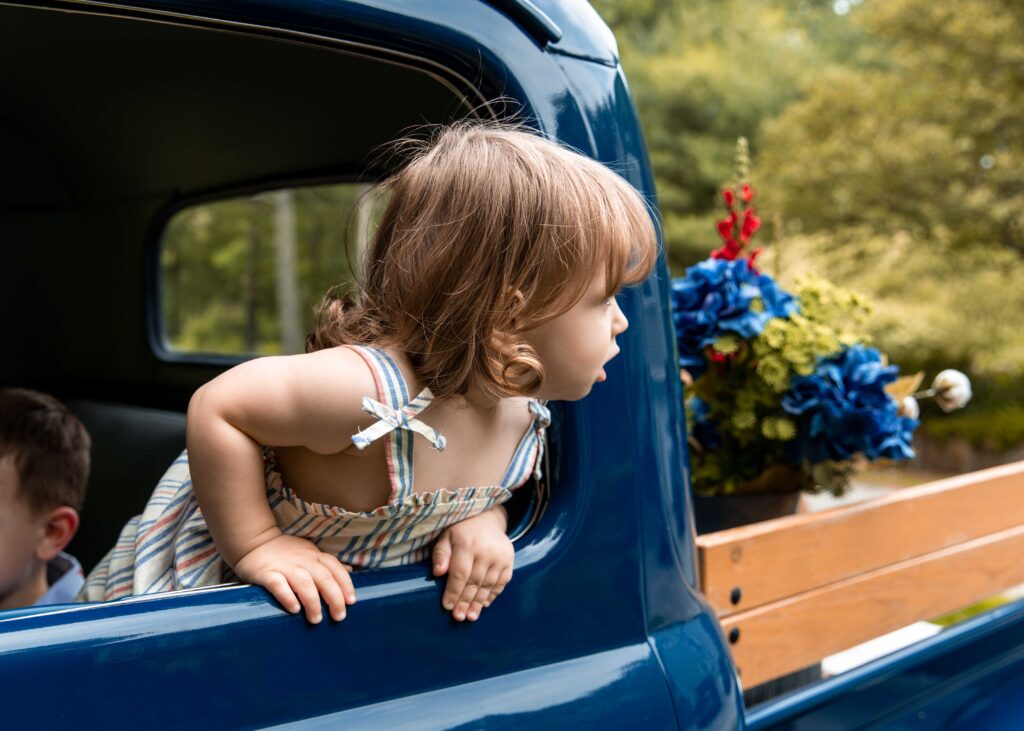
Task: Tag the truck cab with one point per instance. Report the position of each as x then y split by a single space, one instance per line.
116 117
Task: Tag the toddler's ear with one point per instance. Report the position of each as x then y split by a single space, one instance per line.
504 342
518 303
59 527
504 337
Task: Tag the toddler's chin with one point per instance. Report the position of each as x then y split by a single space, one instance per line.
570 391
582 392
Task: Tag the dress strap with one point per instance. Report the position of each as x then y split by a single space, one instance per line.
402 418
396 422
529 454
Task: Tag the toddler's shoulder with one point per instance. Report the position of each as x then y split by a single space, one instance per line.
340 372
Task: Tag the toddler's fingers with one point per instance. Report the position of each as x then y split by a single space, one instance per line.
341 573
277 585
442 553
327 586
469 592
474 609
458 574
503 580
303 585
486 587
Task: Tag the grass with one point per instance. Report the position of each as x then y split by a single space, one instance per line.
962 615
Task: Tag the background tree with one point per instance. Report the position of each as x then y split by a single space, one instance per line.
705 72
923 134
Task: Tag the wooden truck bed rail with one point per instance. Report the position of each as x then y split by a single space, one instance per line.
791 591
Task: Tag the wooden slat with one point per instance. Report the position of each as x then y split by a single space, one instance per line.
775 559
793 633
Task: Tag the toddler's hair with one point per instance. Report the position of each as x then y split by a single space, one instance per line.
490 231
50 448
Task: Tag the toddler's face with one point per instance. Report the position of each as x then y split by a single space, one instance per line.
575 346
20 531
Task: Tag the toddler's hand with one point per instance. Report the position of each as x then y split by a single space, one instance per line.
478 556
297 574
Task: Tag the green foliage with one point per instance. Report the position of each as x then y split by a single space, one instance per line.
829 318
997 428
921 134
705 72
948 620
961 309
219 266
964 310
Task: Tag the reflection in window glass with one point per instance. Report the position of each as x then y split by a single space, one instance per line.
242 276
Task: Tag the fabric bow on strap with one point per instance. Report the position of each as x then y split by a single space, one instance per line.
391 419
542 413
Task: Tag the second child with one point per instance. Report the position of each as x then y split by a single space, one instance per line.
44 467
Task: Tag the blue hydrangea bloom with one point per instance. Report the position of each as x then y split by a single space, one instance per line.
704 430
843 409
714 297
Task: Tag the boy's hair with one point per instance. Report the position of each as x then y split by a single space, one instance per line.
490 229
49 445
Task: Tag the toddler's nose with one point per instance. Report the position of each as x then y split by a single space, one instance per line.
620 323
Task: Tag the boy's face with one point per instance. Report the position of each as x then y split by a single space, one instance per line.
21 531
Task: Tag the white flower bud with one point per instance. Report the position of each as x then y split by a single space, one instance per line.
910 408
952 390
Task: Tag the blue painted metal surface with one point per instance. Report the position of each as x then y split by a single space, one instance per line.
602 625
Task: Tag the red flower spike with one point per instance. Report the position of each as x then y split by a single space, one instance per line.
747 193
725 226
729 197
730 251
751 223
752 259
717 357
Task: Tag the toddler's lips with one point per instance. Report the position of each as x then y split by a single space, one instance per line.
601 375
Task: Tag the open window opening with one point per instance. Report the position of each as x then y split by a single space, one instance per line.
243 155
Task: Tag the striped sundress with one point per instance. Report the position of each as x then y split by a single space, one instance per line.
169 547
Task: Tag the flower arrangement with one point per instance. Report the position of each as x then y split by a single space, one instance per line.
783 390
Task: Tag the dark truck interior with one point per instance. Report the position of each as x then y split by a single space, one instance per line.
106 126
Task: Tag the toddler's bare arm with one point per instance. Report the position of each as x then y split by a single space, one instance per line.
310 400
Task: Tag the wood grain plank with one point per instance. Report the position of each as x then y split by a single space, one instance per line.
778 558
793 633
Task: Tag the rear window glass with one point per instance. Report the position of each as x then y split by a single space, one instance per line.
241 276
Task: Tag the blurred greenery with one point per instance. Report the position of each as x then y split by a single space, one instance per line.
887 141
948 620
221 268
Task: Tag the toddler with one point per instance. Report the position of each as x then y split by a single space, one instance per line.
489 288
44 467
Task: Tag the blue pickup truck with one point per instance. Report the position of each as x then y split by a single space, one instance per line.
114 116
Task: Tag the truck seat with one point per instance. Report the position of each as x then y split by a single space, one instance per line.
131 449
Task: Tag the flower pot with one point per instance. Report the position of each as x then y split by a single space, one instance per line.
720 512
